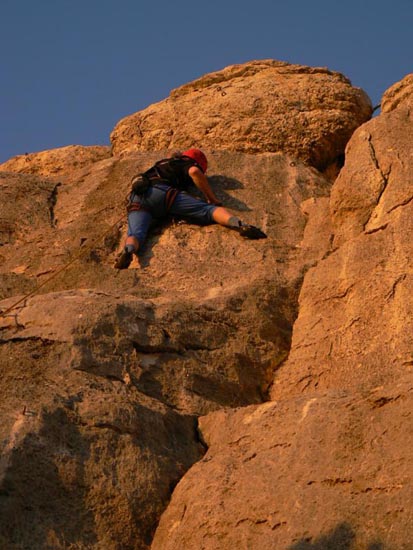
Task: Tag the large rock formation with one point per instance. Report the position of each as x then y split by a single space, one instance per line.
88 461
327 463
316 472
105 373
260 106
102 386
355 317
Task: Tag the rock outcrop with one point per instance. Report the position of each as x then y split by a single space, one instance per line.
321 471
354 326
87 461
181 376
124 362
326 463
398 95
56 162
261 106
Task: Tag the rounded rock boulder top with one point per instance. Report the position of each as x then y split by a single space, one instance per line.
261 106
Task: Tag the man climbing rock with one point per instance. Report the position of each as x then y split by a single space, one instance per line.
162 191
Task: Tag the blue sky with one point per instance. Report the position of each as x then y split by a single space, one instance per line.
71 69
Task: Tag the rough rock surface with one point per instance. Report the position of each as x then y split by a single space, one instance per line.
104 372
398 95
56 162
261 106
87 461
355 306
327 463
317 472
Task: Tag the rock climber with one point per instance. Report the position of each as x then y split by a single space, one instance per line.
162 191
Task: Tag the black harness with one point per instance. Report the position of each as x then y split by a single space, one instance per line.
172 172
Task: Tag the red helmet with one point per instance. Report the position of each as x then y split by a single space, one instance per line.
198 156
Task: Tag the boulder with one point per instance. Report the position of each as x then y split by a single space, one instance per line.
318 471
260 106
88 461
353 329
400 94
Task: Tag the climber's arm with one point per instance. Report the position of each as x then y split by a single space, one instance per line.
201 181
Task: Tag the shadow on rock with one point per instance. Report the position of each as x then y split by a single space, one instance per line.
342 537
222 184
42 494
145 253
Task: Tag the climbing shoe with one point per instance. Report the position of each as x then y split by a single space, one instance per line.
250 232
124 260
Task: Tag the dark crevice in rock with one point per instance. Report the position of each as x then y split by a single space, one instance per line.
377 229
339 295
155 349
106 425
198 436
384 182
385 177
17 325
336 481
404 203
164 348
396 283
51 202
382 401
43 341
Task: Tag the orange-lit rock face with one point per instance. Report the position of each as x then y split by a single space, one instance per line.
262 106
294 351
